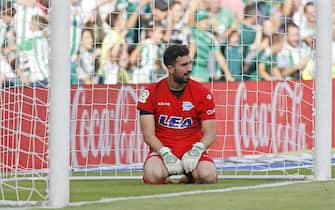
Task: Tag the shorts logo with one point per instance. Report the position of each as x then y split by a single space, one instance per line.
144 96
187 105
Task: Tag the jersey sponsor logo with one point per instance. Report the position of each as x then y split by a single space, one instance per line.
144 96
187 105
210 111
175 122
163 103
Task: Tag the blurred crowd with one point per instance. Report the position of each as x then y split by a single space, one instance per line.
122 41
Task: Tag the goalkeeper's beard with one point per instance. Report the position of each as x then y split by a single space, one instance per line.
182 79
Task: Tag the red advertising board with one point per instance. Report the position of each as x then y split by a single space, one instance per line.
23 129
252 118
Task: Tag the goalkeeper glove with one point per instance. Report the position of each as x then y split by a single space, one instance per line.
171 162
190 159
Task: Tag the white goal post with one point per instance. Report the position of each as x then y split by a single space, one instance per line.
59 142
323 91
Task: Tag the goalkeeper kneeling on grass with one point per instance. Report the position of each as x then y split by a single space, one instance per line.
177 118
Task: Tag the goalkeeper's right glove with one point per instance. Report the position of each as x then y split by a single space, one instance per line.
171 162
191 158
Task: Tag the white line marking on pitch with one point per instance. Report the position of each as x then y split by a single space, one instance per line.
168 195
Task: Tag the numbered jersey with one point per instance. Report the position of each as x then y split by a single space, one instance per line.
178 118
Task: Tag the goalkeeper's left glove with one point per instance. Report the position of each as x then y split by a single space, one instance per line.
190 159
171 162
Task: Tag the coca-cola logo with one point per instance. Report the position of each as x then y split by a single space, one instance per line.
108 134
274 124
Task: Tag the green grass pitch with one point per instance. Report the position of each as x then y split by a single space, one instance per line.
130 194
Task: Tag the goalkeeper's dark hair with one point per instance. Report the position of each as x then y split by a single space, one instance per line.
172 52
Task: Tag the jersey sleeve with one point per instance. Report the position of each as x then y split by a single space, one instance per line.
145 100
207 107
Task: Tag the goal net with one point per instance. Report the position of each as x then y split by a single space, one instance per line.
257 57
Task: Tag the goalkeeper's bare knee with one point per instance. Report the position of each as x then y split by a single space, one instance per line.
207 177
154 171
205 173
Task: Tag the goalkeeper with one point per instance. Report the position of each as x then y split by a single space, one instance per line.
177 118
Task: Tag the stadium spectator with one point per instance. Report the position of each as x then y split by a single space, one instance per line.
178 132
76 27
267 28
119 28
75 36
177 31
194 6
185 4
159 12
234 55
236 7
180 25
297 10
145 57
203 45
250 32
103 7
35 71
307 27
141 12
308 72
7 75
25 9
220 18
267 65
251 60
116 35
293 57
7 44
116 68
86 61
159 16
94 22
281 14
6 22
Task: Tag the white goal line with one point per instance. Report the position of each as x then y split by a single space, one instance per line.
195 192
